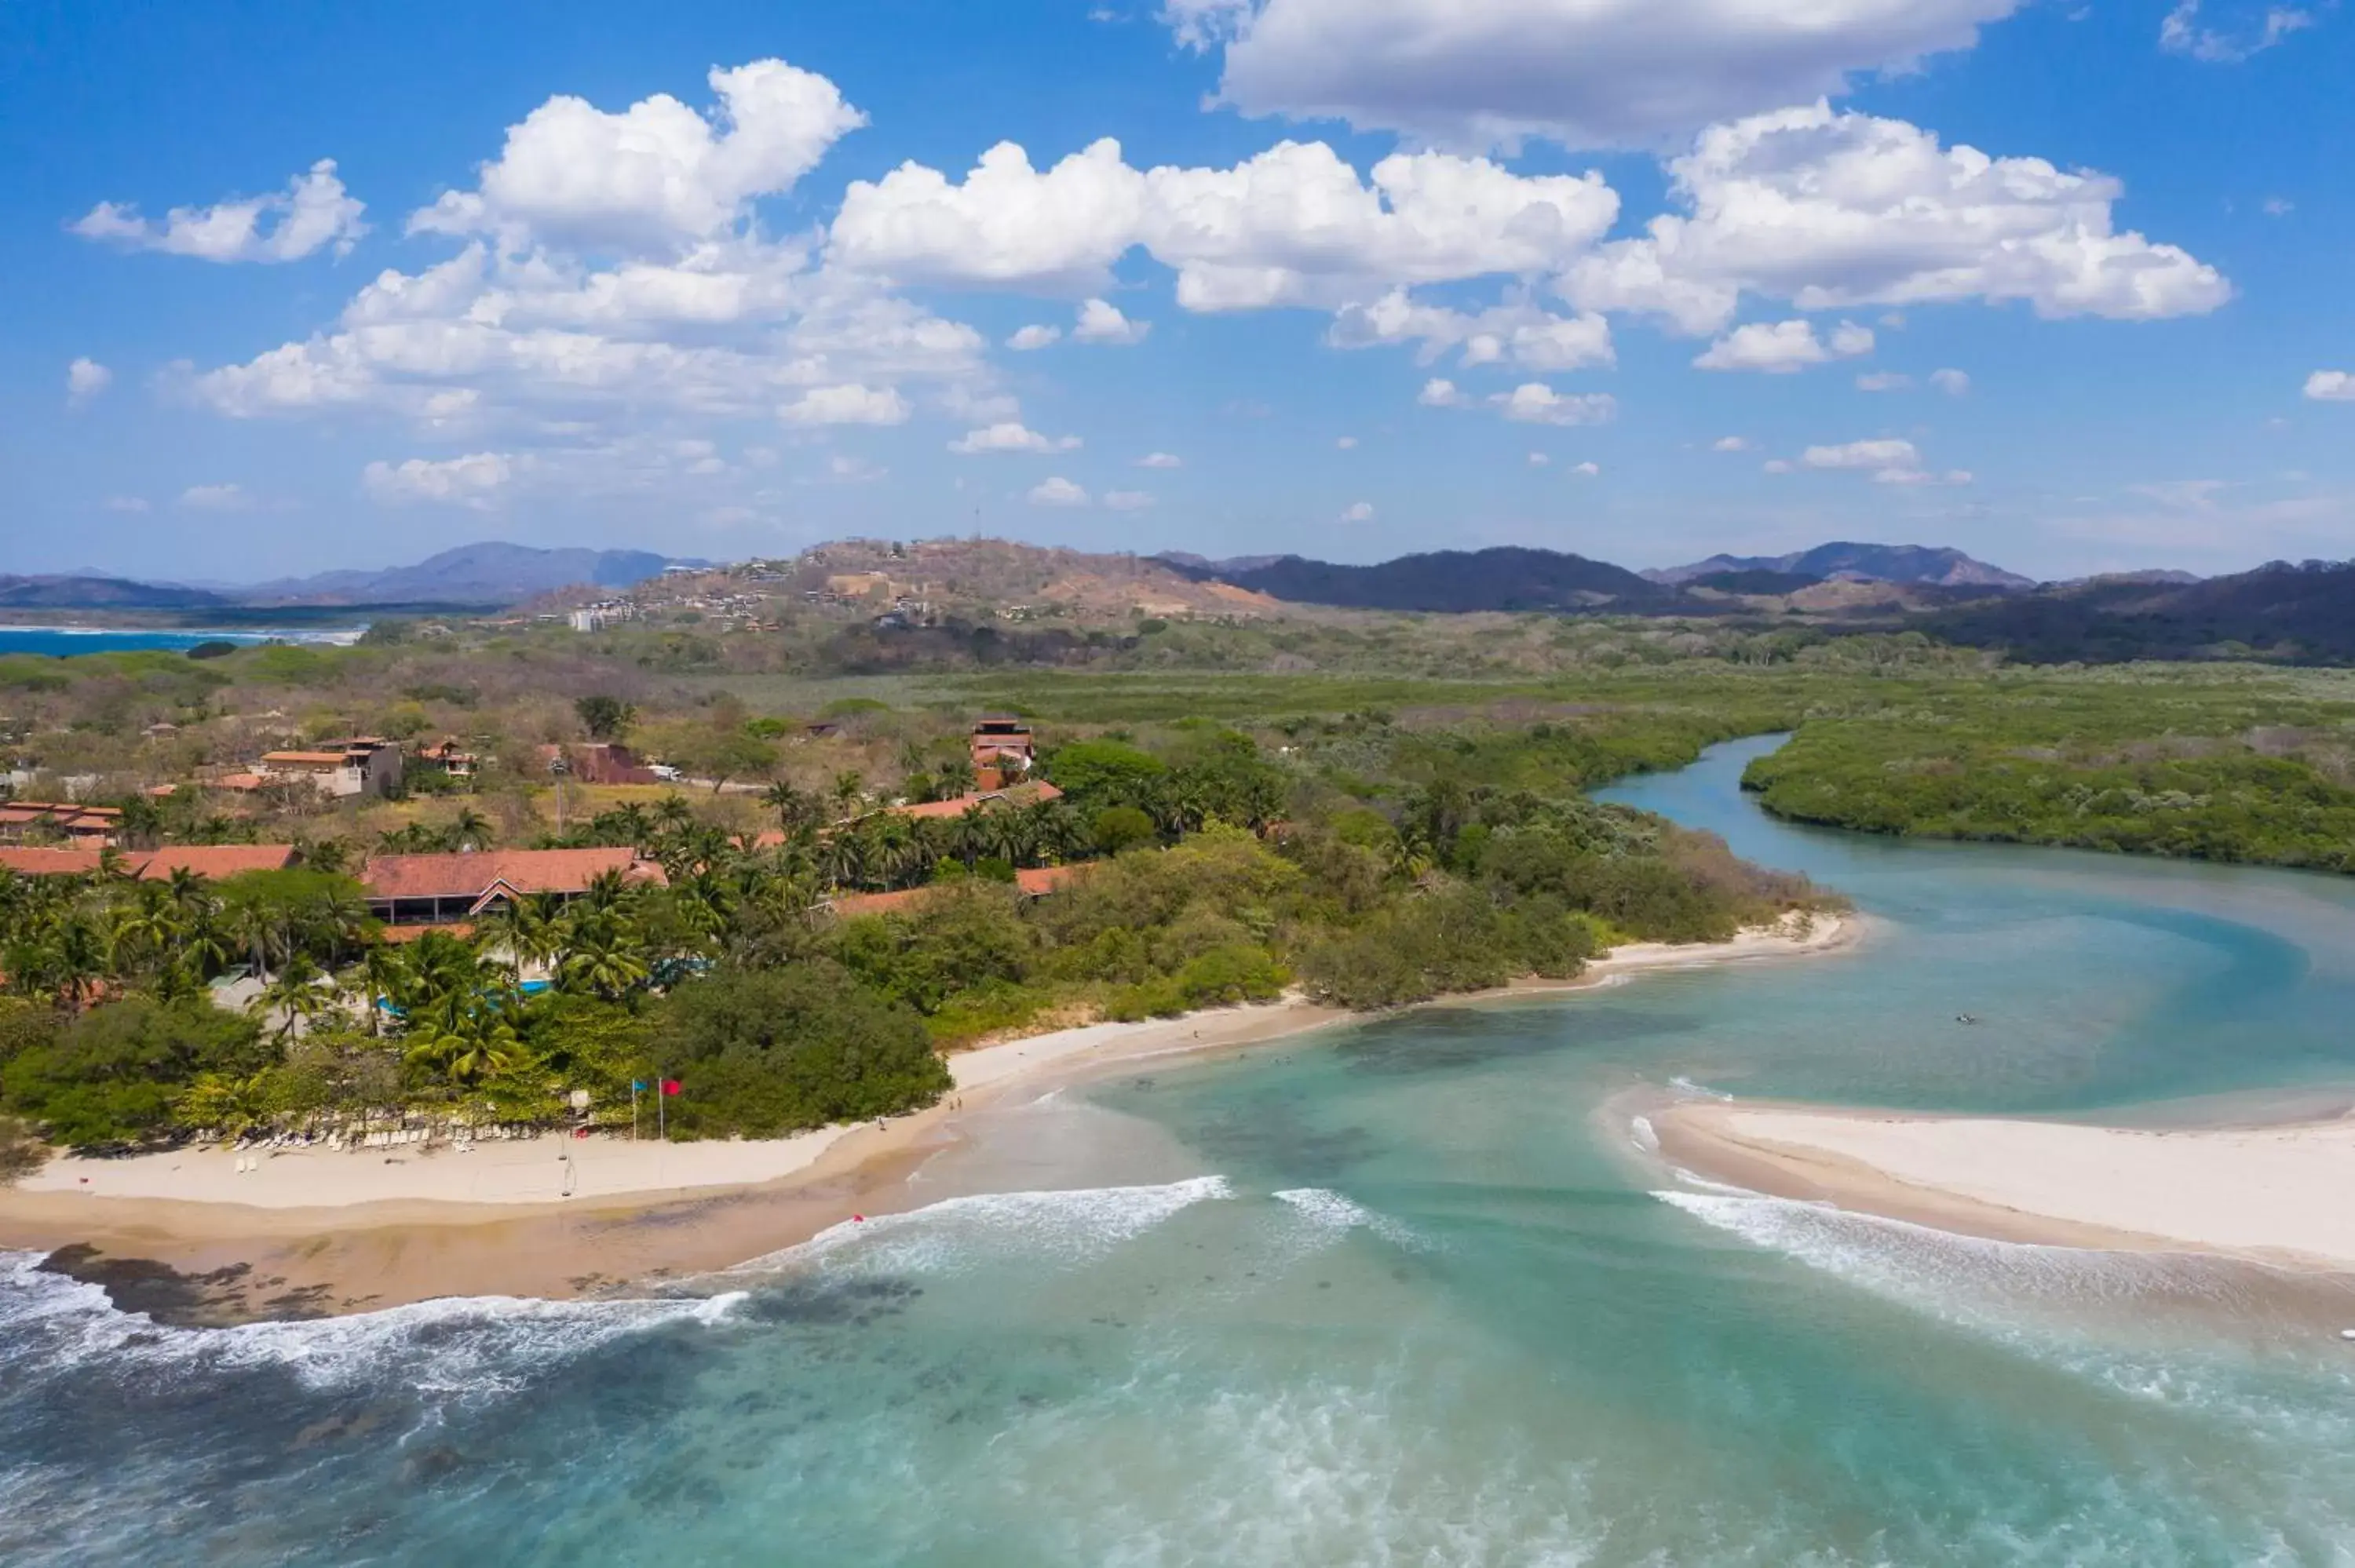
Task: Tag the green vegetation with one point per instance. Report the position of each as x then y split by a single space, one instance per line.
1369 863
2148 762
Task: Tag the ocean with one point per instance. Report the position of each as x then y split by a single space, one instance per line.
1402 1292
58 642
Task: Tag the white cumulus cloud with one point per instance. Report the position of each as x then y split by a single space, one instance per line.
313 212
1058 491
2331 387
1778 348
1952 383
1010 435
1586 470
1585 73
1160 459
1294 225
1102 322
1519 334
1358 511
1534 402
1829 211
850 404
471 480
85 379
657 172
1031 338
1731 444
1441 393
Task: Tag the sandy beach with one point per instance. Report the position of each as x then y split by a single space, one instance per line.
187 1235
2276 1195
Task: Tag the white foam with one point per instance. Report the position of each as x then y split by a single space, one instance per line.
2032 1299
1329 1211
1641 1134
1691 1090
1067 1227
458 1345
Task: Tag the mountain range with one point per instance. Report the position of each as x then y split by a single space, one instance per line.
1916 563
473 576
1444 581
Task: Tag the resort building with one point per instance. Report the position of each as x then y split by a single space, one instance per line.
1002 751
211 862
443 889
20 862
81 827
208 860
449 758
363 765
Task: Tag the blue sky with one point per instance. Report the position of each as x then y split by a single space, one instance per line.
2066 285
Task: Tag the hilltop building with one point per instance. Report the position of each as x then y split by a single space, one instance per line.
363 765
81 827
1002 750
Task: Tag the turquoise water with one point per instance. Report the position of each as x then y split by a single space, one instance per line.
61 644
1404 1293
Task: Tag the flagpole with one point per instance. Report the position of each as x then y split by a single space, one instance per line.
634 1110
662 1110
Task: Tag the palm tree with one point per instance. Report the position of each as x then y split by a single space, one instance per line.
792 805
850 790
602 958
467 1044
295 995
472 830
386 977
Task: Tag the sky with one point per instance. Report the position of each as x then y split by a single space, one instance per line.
2064 284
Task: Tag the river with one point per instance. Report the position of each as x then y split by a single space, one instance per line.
1399 1293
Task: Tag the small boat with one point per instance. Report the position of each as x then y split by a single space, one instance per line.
1966 1018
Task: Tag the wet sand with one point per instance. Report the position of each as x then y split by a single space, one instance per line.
2277 1196
266 1245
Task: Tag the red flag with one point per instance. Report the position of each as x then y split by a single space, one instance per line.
671 1086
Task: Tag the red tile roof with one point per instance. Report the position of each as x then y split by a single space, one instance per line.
522 870
1032 794
214 860
48 861
401 934
1044 879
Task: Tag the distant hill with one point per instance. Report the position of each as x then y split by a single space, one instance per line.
1451 582
1921 564
487 574
99 593
2302 613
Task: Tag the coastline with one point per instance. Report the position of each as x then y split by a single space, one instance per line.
185 1236
2268 1194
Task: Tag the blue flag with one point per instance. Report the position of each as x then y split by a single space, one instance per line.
637 1087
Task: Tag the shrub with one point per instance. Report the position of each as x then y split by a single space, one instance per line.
768 1053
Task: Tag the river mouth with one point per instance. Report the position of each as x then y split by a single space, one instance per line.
1398 1291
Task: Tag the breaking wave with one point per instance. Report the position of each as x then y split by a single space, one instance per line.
466 1345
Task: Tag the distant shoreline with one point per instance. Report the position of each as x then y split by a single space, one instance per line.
323 1234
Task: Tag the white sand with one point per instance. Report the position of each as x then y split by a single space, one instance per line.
534 1170
2279 1194
551 1168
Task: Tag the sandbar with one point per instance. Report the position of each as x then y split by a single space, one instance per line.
2277 1196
